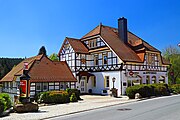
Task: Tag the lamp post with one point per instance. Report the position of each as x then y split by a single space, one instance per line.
113 80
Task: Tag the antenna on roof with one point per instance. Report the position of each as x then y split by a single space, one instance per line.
100 24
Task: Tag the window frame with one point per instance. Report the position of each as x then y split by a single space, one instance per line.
107 81
105 54
96 60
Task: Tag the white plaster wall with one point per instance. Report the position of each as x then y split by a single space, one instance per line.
100 81
158 74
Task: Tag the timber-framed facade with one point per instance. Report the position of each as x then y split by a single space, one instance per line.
106 53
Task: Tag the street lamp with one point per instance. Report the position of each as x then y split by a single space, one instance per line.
113 80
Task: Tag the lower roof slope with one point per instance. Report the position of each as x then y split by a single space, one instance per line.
42 69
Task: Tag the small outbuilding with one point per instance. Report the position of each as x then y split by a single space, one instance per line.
45 75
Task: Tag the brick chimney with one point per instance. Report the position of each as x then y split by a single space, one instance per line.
122 29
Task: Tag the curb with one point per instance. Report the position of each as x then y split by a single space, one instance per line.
132 101
6 113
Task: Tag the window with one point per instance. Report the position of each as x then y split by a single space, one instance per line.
45 86
92 43
38 86
93 78
104 59
106 81
95 59
11 85
147 79
61 86
153 79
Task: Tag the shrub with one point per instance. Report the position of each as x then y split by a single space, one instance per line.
75 91
2 105
175 88
131 91
147 90
53 97
5 102
73 98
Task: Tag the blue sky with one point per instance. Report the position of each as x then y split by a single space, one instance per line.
26 25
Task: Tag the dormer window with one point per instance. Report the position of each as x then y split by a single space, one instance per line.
92 43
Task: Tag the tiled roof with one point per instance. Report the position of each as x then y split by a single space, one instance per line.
111 37
18 70
42 69
139 44
76 44
49 71
133 52
93 32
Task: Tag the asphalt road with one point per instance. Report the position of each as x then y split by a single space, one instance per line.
162 108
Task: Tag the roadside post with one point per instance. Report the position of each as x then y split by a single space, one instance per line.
25 85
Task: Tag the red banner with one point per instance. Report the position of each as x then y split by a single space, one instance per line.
23 88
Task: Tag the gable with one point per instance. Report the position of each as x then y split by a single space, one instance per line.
18 70
75 44
48 71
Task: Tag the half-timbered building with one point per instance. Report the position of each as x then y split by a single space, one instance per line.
45 75
108 57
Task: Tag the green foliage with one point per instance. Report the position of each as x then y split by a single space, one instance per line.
73 98
172 54
2 105
53 97
175 88
5 102
42 50
54 57
132 90
76 91
6 64
147 90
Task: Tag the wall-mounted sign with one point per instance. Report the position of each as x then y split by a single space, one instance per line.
149 72
131 73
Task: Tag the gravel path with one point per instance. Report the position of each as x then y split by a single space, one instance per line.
89 102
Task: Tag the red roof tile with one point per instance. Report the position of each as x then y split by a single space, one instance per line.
111 37
42 69
49 71
76 44
93 32
18 70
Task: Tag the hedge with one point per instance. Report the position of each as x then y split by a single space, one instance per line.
73 98
53 97
5 102
175 88
75 91
147 90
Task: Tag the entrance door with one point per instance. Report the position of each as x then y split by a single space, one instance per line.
83 85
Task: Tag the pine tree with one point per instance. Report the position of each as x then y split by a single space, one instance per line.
42 50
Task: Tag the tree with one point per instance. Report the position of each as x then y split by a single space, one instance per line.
54 57
173 55
42 50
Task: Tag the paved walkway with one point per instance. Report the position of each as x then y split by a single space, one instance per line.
89 102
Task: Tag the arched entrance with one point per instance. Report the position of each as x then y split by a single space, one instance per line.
153 79
161 79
